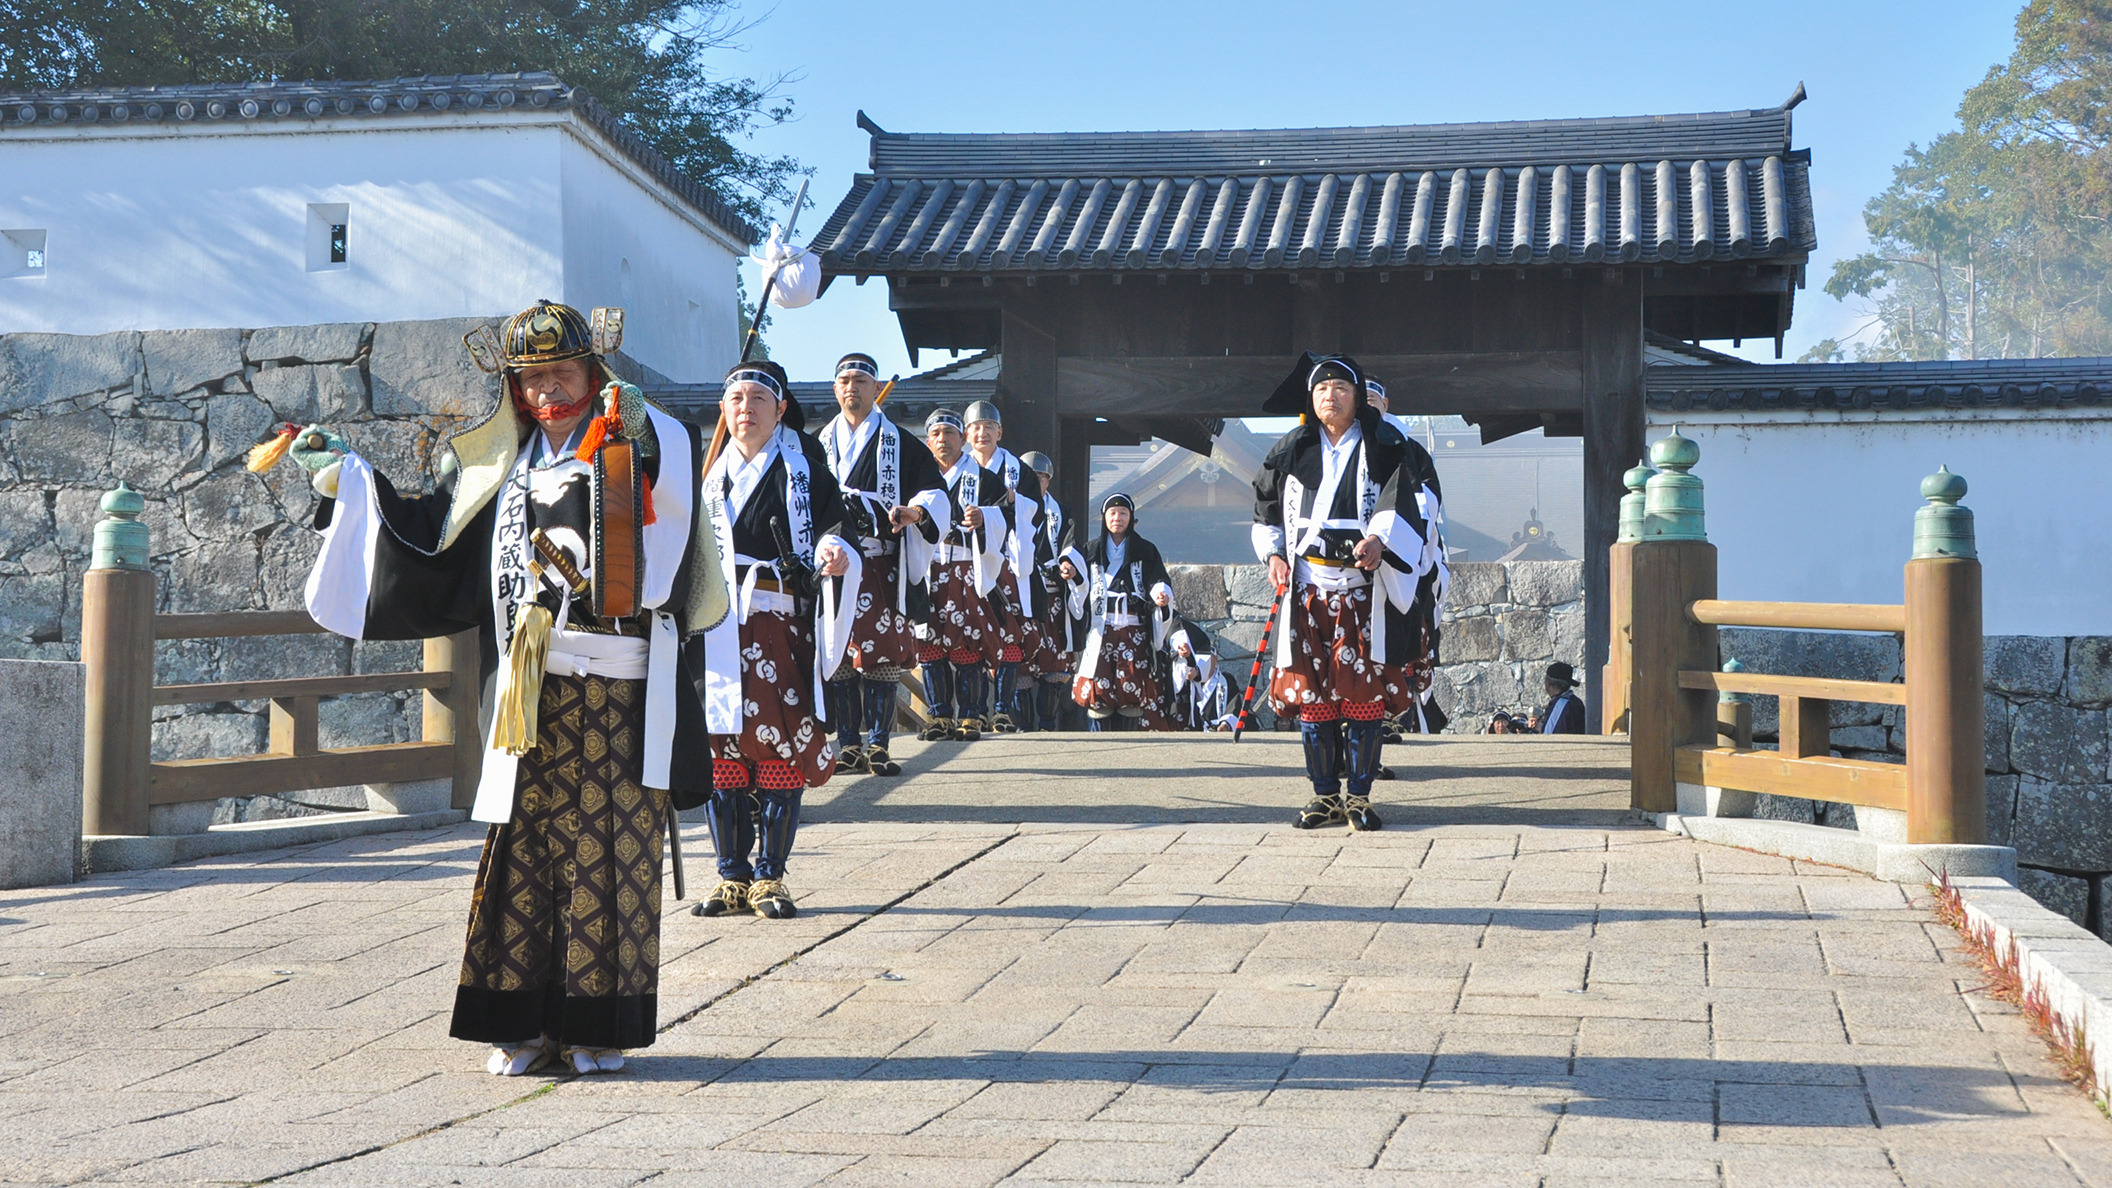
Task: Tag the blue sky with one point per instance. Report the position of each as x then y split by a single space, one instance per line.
1880 76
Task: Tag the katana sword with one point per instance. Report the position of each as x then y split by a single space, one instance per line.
1261 651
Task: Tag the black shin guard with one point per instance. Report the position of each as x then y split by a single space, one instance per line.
969 691
846 704
1051 695
1362 742
1001 702
879 711
777 823
1323 756
938 687
731 816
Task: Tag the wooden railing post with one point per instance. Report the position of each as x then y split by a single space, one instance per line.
1945 718
1674 565
1620 607
451 714
117 648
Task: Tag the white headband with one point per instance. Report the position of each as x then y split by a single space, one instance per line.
1312 377
753 376
856 367
1373 387
941 417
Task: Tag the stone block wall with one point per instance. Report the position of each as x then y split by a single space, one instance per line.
173 413
2049 747
40 800
1504 623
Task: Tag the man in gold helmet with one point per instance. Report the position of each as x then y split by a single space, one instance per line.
567 531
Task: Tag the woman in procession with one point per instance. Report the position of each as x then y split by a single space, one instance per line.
1127 600
777 517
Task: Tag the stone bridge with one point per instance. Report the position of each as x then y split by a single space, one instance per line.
1039 959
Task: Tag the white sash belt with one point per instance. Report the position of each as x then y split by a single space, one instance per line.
873 546
1329 577
585 653
950 554
1122 619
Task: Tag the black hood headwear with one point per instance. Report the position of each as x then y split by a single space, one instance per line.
1294 396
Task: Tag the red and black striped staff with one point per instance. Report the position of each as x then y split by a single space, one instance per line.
1261 652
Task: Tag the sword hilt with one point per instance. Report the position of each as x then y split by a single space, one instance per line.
555 557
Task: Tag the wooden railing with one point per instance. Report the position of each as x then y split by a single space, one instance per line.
118 631
1672 692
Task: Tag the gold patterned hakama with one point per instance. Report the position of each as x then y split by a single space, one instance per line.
564 925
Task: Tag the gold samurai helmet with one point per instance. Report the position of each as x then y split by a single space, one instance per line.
546 332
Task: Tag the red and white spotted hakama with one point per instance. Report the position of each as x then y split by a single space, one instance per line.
778 723
1330 642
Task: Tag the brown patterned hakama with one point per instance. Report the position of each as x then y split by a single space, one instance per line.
1124 677
564 924
777 700
961 620
881 643
1330 642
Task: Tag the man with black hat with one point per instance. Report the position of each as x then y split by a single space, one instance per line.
1018 520
792 578
1053 634
1565 710
567 531
895 497
961 635
1340 519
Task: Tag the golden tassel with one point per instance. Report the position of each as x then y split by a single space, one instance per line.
521 689
266 453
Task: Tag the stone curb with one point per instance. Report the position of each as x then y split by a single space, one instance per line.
2063 960
1892 862
113 852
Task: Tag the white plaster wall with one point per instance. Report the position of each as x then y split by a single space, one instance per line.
627 246
165 227
173 231
1822 510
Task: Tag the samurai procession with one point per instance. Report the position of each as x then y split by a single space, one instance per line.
671 621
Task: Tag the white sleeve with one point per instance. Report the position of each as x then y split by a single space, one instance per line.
1268 541
936 507
343 574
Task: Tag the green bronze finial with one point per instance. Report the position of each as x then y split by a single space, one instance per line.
1672 497
1943 529
120 539
1727 696
1632 503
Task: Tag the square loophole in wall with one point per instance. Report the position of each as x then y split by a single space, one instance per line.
21 253
329 226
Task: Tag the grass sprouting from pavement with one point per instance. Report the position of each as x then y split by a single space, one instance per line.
2002 965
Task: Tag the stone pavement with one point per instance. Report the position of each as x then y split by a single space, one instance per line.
1555 1002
